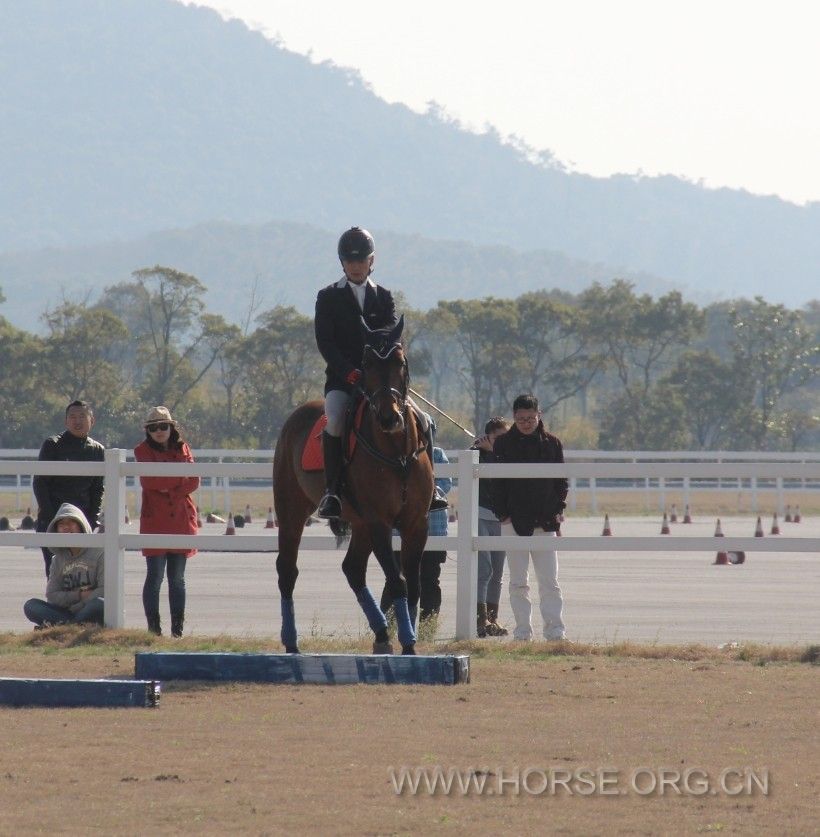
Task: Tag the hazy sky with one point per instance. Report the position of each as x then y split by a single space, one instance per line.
723 91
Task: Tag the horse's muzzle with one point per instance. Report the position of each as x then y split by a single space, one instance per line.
393 422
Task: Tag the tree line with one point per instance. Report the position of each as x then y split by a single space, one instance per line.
613 369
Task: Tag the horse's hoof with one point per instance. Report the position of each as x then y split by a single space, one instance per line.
408 650
291 649
383 647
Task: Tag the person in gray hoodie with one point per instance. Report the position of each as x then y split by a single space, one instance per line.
74 592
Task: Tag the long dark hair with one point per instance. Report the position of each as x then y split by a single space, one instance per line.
175 440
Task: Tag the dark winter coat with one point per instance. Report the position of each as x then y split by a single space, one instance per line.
529 503
338 325
167 507
52 491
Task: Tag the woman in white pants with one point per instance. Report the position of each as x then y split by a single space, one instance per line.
529 507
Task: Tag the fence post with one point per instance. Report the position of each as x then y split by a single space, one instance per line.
467 557
780 500
113 511
593 497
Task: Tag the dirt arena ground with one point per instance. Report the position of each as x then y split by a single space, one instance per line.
566 744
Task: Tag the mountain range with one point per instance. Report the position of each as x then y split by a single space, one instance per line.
128 127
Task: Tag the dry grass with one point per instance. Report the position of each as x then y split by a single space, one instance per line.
92 640
247 758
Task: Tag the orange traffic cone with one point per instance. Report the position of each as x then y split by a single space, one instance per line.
722 557
759 528
687 518
247 514
665 525
797 514
673 516
230 529
198 518
775 526
452 517
788 517
607 528
269 522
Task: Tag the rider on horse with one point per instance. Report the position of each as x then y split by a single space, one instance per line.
340 336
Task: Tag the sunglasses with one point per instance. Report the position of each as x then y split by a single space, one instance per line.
162 425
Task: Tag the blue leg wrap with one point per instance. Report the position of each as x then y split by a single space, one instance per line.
375 617
288 634
404 627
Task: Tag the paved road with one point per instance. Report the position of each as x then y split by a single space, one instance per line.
650 597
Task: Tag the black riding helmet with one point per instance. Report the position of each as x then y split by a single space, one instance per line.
355 245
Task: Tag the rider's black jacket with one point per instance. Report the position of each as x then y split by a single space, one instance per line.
338 325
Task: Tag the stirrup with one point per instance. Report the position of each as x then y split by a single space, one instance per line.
439 501
330 507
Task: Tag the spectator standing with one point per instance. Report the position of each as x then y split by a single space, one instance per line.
490 562
51 491
74 592
525 506
167 509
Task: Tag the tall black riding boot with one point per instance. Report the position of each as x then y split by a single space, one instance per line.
331 504
153 623
177 621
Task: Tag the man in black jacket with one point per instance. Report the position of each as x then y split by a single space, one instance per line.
51 491
531 506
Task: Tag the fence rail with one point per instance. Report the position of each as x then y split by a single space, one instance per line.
465 543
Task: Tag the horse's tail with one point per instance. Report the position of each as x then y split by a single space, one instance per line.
340 528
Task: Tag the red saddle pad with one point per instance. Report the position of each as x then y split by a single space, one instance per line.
312 455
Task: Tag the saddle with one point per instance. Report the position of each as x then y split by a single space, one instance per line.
312 454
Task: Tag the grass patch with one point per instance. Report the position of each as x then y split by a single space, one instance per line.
97 641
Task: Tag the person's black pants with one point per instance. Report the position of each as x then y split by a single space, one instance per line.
429 584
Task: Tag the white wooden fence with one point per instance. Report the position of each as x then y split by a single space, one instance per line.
465 543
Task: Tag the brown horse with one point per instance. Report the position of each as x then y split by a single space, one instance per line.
387 483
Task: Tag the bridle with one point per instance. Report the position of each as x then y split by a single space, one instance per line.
403 462
399 397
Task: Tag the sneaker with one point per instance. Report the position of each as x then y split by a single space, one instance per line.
494 629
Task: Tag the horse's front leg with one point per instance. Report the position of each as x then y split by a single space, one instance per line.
412 546
354 567
381 536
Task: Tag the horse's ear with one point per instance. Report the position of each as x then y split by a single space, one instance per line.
395 334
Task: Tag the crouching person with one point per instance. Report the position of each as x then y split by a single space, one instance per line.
74 592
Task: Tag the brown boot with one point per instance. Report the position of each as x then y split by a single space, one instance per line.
493 628
481 621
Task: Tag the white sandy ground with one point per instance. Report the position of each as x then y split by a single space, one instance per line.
663 597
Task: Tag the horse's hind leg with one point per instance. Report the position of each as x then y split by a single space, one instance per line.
291 515
354 567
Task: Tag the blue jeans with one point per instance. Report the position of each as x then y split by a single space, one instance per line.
156 566
38 611
490 565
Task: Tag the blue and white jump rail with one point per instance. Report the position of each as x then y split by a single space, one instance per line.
323 669
18 691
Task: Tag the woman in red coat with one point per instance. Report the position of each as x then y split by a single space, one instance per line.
167 509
